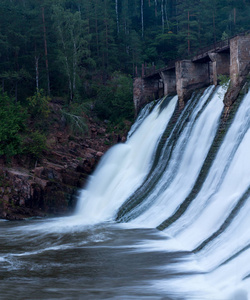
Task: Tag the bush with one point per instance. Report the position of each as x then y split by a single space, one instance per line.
38 105
12 120
115 100
223 80
34 144
75 119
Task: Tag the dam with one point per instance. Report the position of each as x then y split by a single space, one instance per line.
229 57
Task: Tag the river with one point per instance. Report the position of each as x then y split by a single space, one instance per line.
188 177
45 259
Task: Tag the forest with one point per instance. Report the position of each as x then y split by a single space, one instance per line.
86 52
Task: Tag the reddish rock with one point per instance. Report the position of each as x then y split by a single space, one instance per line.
50 185
99 154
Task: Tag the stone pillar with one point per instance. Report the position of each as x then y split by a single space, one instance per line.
137 92
220 65
145 90
190 76
239 57
169 81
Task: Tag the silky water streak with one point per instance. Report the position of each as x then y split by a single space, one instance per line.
213 227
123 168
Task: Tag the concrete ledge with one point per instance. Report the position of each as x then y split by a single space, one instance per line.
189 77
201 71
239 57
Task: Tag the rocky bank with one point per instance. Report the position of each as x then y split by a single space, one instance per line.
49 186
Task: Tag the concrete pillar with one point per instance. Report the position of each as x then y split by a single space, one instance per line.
239 57
169 81
190 76
137 92
146 90
220 65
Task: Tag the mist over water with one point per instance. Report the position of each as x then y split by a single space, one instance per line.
203 254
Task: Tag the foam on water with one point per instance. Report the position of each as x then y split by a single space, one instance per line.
198 136
227 180
122 169
225 258
210 242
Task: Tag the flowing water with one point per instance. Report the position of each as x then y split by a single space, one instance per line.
155 180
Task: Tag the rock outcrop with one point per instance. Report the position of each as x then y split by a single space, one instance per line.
50 186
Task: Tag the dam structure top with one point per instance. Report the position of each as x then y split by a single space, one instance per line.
229 57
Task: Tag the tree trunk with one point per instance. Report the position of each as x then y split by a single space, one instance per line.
214 28
142 19
74 65
188 36
66 64
96 30
46 52
117 16
162 16
16 92
106 35
37 72
155 8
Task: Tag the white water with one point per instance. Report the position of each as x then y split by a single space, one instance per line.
193 144
224 260
228 179
76 258
122 169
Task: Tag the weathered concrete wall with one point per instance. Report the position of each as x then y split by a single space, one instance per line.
137 92
220 65
239 57
200 72
169 81
190 76
146 90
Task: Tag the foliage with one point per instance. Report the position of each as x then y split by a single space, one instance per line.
114 101
33 144
75 119
38 105
73 44
223 80
12 120
86 41
90 49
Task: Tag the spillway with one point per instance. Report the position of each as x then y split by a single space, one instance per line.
164 216
174 175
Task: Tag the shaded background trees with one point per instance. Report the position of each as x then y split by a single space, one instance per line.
68 46
72 48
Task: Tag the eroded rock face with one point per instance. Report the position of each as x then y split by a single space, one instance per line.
47 189
50 186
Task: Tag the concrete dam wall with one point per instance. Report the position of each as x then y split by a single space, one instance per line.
230 58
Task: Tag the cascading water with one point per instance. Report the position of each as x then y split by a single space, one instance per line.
213 223
124 167
188 155
179 171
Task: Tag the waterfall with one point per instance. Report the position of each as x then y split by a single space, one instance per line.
180 172
125 166
187 157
